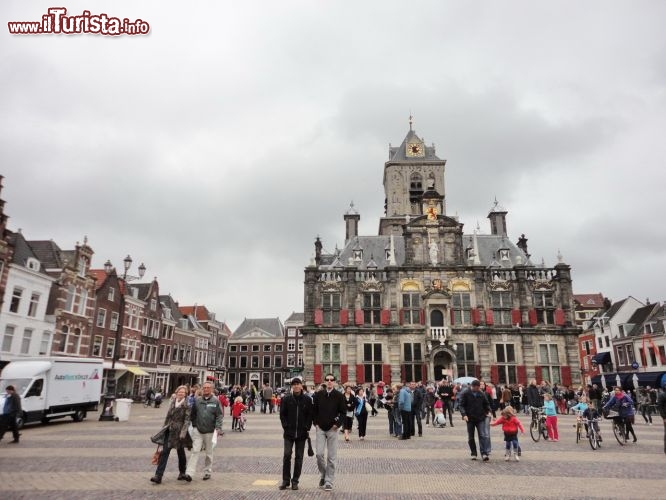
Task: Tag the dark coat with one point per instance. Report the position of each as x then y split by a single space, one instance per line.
178 420
475 405
329 409
296 416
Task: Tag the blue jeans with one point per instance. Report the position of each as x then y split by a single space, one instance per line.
484 437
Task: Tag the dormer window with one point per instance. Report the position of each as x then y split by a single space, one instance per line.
82 266
388 254
183 323
357 255
32 264
504 254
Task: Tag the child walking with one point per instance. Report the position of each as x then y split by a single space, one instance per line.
510 426
551 417
236 409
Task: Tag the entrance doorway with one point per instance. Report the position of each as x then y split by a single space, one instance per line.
443 366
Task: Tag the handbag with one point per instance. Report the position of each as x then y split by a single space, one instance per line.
157 455
159 437
368 408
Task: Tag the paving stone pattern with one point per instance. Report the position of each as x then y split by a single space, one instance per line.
111 460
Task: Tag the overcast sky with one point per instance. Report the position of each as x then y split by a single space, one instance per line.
216 148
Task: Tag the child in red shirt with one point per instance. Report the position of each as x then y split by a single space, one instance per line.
236 409
510 426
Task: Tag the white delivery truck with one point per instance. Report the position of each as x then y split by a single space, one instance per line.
54 387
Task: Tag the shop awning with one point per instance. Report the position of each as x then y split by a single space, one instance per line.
119 365
136 370
602 358
649 378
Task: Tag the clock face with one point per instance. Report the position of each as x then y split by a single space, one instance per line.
414 150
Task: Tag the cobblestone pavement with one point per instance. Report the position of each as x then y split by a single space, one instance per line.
111 460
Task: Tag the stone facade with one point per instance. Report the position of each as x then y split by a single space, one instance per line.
422 300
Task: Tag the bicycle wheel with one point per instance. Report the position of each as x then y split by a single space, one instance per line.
578 432
593 437
544 431
535 431
618 430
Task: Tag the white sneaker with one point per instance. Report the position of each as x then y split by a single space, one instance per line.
507 456
516 457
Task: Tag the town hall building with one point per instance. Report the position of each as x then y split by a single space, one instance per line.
423 300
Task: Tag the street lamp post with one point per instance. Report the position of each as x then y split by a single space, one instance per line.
110 396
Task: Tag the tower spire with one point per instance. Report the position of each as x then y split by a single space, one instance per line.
411 120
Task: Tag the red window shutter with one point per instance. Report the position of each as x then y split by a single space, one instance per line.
360 374
344 373
490 321
422 316
424 372
358 316
344 317
559 317
403 373
537 370
494 374
516 317
318 376
453 317
401 319
532 314
385 317
318 317
566 375
521 372
476 317
386 374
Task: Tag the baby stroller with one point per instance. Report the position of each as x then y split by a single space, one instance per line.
158 399
439 420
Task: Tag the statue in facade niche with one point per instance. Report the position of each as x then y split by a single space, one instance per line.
433 250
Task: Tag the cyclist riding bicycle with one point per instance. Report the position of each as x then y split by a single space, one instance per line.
587 413
624 406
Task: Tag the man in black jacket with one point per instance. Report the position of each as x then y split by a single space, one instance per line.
474 408
296 416
329 413
11 411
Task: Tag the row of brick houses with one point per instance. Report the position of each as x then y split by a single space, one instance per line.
53 303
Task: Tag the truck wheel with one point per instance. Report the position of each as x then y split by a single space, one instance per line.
79 416
20 420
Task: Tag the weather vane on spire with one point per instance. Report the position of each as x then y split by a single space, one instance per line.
411 120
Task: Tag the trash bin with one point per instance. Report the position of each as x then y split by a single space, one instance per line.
123 406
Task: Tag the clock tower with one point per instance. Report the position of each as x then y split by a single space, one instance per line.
412 170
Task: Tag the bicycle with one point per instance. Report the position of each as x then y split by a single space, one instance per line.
241 421
619 427
592 432
579 426
538 424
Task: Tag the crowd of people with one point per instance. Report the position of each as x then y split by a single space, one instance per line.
195 416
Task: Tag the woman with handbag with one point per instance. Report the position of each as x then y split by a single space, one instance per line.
175 435
361 412
350 404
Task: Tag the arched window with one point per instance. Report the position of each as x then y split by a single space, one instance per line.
436 318
416 182
64 338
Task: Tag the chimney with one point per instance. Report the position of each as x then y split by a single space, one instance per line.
352 218
497 218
